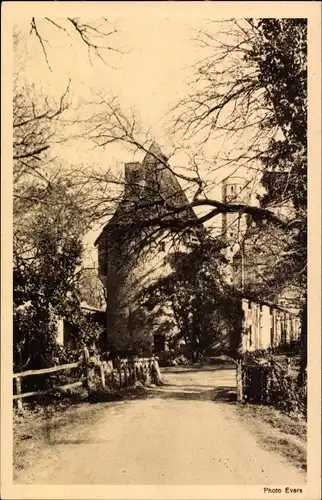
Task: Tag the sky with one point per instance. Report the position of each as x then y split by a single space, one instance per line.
149 76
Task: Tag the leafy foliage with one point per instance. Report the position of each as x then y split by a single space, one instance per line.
49 225
195 292
251 88
276 382
281 57
280 54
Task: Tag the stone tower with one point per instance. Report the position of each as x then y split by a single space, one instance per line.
125 265
234 191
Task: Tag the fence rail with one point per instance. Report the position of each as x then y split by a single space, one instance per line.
118 373
47 391
53 369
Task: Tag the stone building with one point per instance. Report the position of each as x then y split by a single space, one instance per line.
267 326
132 252
251 254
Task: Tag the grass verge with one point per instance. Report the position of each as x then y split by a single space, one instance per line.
277 432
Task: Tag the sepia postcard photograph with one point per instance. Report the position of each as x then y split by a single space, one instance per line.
161 250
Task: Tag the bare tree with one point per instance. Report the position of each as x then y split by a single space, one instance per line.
110 124
250 93
250 89
232 97
236 95
97 36
35 122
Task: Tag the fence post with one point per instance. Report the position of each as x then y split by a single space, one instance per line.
118 366
147 364
126 377
102 375
156 371
239 381
18 390
268 394
87 368
134 370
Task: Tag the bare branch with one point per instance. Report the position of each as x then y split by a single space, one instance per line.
31 153
42 41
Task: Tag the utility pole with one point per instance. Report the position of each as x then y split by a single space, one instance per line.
242 251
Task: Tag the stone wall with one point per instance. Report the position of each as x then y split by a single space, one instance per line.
266 327
124 285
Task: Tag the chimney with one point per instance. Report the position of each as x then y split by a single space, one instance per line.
134 179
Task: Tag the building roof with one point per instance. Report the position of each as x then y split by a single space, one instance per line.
86 307
155 149
155 164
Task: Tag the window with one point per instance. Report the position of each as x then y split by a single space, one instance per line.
162 246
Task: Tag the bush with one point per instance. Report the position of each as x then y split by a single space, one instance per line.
267 381
287 394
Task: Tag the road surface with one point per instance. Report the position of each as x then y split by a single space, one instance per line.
185 433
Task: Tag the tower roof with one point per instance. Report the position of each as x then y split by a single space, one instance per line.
155 149
167 185
153 154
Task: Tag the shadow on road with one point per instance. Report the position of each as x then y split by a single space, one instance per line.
193 393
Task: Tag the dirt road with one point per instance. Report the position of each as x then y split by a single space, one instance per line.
185 433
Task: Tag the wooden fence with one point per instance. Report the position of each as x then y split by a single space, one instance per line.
254 383
259 382
117 374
